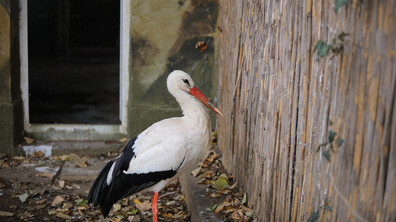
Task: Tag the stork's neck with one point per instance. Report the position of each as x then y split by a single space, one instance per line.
197 122
192 108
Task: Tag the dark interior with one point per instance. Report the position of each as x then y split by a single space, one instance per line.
74 61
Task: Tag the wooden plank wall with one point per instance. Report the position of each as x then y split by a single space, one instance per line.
278 101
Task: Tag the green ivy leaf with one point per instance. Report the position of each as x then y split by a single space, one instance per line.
328 208
340 142
133 212
322 49
332 135
81 202
331 122
212 208
313 217
326 154
335 48
342 36
339 3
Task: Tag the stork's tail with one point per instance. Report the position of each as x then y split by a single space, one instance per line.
99 190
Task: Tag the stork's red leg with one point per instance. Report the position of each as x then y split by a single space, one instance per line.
154 207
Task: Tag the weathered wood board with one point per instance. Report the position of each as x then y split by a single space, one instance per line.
278 101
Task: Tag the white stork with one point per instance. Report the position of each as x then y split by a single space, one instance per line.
161 152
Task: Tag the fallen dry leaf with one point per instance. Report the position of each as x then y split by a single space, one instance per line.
171 202
6 214
201 46
72 158
75 186
215 195
168 215
116 207
237 215
232 186
196 171
224 176
212 156
207 174
204 164
39 154
229 209
29 140
58 199
224 192
219 208
40 206
67 206
23 197
63 215
137 201
26 215
44 174
246 209
123 140
19 158
204 181
42 201
125 202
146 205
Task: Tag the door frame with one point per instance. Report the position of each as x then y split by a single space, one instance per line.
84 131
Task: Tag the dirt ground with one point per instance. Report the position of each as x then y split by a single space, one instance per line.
56 188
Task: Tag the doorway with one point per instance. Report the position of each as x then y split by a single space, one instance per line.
74 63
73 56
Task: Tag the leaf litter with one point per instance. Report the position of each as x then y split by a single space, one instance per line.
64 199
232 202
49 198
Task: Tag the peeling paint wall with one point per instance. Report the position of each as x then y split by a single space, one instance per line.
163 37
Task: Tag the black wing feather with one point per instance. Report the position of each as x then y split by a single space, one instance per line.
99 185
123 185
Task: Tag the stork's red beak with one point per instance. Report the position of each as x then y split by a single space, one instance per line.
199 95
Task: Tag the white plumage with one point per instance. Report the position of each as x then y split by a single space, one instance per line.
161 152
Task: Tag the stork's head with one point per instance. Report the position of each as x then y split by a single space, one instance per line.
180 83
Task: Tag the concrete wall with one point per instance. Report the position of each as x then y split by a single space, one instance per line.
164 35
10 100
163 38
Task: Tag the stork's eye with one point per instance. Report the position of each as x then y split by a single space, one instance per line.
186 81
